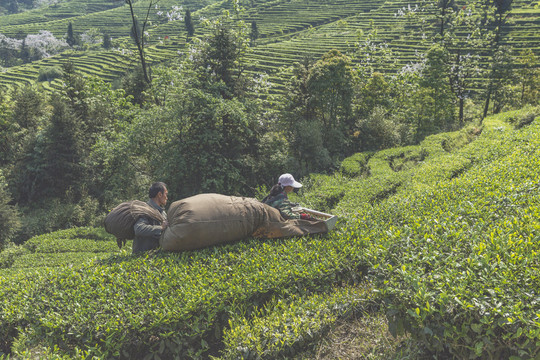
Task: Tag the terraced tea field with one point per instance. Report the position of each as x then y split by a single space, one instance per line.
114 19
446 232
288 32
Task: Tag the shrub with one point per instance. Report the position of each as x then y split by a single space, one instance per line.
50 73
524 116
355 165
378 131
56 215
284 326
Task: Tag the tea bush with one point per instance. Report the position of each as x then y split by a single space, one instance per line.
168 304
60 248
50 73
458 260
283 326
449 243
355 165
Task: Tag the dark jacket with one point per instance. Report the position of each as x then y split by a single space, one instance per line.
283 204
148 230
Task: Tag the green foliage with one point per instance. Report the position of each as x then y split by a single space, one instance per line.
208 124
317 113
355 165
523 117
254 34
485 219
59 249
421 209
9 215
7 130
282 327
70 35
28 107
222 57
9 254
49 74
62 156
377 131
190 29
330 87
107 41
54 214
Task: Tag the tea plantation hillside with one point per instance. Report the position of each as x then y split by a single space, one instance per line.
112 17
62 10
288 32
442 236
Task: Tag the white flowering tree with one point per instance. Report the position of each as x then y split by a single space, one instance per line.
41 45
92 37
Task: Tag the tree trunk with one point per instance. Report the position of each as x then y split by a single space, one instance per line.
461 105
486 105
139 41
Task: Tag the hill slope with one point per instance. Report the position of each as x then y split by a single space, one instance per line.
444 232
288 31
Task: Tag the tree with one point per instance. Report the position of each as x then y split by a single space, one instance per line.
25 52
502 12
28 107
7 130
70 36
73 91
50 163
317 112
44 44
221 58
254 35
461 72
135 85
502 78
434 81
447 8
91 37
9 215
374 93
107 41
529 77
63 156
13 7
189 24
138 34
300 124
331 87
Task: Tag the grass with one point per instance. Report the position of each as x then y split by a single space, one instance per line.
362 336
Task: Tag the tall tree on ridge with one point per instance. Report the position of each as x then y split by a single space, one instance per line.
502 12
189 24
138 33
254 33
70 37
446 7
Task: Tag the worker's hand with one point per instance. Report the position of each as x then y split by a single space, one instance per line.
164 225
304 216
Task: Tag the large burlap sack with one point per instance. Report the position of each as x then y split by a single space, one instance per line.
121 219
275 226
210 219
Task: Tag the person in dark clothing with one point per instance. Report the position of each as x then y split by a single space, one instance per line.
278 198
148 230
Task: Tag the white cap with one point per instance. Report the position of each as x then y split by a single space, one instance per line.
288 180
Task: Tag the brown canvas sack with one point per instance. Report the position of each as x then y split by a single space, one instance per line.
211 219
121 219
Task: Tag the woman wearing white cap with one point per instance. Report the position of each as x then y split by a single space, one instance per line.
279 200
